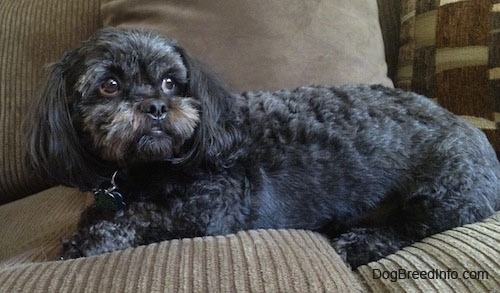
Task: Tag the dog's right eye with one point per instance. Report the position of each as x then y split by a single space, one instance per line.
109 88
168 86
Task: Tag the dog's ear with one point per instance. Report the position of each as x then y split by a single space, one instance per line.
52 144
219 135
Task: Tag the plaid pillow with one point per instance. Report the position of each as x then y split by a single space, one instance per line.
450 51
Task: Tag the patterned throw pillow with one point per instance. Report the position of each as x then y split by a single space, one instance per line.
450 51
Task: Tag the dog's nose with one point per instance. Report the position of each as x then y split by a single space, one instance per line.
155 108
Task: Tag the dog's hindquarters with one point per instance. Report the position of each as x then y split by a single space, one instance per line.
456 182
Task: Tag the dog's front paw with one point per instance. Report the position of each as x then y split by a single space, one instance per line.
360 246
100 238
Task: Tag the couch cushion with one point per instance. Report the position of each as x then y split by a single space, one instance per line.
464 259
389 12
249 261
451 52
33 226
264 44
33 33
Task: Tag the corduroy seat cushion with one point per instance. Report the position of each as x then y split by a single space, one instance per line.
33 226
254 261
464 259
249 261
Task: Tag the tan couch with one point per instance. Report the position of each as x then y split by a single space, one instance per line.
259 44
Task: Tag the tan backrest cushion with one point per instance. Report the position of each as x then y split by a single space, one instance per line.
32 34
450 51
263 44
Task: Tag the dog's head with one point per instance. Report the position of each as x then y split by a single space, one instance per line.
126 97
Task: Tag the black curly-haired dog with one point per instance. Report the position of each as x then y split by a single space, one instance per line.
372 168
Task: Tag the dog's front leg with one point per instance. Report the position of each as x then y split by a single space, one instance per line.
98 232
105 236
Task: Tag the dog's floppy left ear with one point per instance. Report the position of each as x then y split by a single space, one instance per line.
219 134
53 148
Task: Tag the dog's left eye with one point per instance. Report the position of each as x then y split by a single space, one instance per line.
168 86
